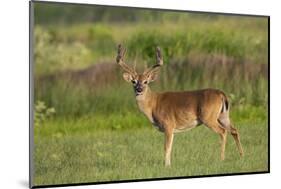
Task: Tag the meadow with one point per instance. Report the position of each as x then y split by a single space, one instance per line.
87 125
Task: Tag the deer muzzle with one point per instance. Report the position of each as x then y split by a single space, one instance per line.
138 89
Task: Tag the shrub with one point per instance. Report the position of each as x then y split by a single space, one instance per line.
42 112
50 56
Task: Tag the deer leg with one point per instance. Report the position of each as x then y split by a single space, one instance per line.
225 122
223 135
235 135
168 147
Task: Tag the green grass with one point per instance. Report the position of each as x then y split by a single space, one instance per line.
79 151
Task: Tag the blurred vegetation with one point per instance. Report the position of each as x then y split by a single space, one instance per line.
75 49
210 56
80 91
41 113
75 36
59 14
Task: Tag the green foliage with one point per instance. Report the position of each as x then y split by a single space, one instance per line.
60 47
47 13
117 97
101 38
177 44
173 45
42 113
50 56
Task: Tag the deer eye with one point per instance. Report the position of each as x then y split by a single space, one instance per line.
145 82
134 81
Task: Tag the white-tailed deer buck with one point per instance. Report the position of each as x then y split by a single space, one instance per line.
173 112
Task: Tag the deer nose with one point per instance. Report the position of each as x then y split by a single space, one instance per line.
139 89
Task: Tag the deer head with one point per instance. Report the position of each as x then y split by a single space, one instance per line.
140 81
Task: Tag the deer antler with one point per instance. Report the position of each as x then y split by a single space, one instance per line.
159 62
120 60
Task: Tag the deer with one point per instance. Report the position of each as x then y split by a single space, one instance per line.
173 112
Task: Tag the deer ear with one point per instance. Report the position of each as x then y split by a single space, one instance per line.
152 77
128 77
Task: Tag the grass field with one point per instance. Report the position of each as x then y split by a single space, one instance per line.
77 152
87 125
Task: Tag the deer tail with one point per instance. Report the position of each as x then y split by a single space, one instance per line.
225 103
224 115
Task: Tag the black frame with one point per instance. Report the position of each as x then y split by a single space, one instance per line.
31 134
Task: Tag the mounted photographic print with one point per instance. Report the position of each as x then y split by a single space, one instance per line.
123 94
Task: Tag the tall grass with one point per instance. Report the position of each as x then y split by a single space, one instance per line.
78 46
199 56
116 96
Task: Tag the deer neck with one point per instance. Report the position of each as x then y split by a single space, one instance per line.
146 102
